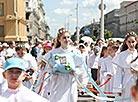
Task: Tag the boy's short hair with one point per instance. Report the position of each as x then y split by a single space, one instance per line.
14 63
82 46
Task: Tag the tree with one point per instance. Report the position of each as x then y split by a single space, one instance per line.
94 38
136 22
107 34
95 33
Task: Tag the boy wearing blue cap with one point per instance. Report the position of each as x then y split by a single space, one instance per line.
14 73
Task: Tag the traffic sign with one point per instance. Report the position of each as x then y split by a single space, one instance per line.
87 31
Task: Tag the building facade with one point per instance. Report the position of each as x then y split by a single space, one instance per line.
112 22
94 30
35 16
12 20
128 15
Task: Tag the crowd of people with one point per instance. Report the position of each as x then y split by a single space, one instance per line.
25 66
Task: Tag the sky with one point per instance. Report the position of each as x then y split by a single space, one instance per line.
62 13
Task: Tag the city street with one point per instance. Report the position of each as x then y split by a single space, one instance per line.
86 98
68 50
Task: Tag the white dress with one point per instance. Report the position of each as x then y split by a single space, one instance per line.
124 79
41 69
107 67
99 64
63 87
22 94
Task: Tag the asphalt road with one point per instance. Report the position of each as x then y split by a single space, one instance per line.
86 98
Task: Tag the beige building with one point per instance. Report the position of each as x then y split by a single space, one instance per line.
35 16
12 20
128 15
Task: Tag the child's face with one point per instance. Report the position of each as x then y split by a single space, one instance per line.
105 52
65 40
100 43
131 43
134 93
111 51
47 49
14 77
81 49
20 53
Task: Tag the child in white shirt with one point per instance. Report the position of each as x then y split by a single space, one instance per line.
14 73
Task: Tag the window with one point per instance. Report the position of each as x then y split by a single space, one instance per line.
1 9
1 31
27 4
27 15
27 28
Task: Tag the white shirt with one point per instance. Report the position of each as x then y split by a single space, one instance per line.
13 50
2 99
30 62
100 61
22 94
93 61
3 52
3 83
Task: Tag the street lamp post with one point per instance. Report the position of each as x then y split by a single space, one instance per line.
77 28
102 20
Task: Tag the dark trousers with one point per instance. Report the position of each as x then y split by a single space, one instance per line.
94 76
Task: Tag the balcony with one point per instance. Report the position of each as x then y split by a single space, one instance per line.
29 9
36 13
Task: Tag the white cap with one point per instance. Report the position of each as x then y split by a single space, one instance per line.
5 45
9 53
27 46
87 39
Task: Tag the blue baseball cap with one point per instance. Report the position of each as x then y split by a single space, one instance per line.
14 63
96 49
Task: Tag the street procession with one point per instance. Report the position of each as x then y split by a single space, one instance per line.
44 58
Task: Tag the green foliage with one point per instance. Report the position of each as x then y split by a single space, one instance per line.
136 22
107 34
94 38
82 30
